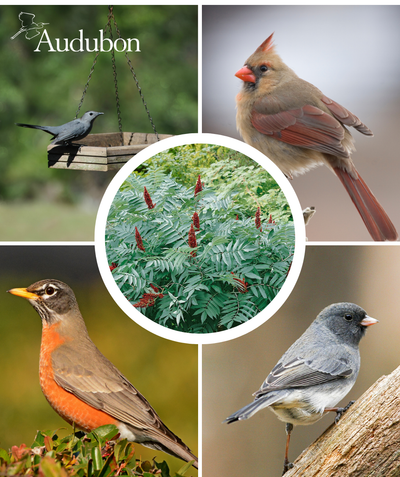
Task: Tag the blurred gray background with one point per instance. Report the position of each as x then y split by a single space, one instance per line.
232 371
351 54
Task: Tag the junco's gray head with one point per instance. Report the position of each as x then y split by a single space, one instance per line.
347 320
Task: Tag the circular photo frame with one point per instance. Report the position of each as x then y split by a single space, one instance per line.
167 239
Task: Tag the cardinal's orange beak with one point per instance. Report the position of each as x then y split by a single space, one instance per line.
245 74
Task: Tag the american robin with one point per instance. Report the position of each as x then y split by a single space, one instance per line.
81 384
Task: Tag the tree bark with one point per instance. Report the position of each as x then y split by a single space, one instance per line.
366 440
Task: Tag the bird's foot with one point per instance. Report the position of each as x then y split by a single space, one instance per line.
341 410
287 466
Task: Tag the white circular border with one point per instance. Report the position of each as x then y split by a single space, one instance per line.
126 306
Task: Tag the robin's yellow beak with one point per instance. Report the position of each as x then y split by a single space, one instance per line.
23 292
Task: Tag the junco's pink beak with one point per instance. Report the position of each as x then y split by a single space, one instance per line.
368 321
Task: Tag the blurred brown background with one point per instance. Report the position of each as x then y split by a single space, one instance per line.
350 54
165 372
368 276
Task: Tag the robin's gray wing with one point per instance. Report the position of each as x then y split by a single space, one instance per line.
318 368
98 383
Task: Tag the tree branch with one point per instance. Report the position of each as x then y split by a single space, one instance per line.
365 442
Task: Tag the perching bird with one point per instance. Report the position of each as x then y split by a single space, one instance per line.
298 128
316 372
28 26
68 132
81 385
308 213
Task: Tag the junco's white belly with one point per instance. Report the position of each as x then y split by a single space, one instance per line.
306 406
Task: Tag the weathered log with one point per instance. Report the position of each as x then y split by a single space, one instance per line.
366 440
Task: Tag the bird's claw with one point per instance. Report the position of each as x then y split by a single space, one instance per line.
341 410
287 466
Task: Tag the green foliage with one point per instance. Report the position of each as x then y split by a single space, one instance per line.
185 162
94 455
227 171
229 276
235 175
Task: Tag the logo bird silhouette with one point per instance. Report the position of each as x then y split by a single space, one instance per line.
28 26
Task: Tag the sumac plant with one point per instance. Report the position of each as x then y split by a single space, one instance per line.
191 260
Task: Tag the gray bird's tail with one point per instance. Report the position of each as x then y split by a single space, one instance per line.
250 409
43 128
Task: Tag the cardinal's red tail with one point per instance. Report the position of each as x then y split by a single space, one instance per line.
375 218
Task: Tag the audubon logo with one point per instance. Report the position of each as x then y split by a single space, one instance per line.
80 44
76 45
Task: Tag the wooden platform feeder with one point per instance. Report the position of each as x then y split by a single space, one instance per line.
100 152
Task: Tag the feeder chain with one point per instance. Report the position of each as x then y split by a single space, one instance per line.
111 15
87 85
137 83
109 27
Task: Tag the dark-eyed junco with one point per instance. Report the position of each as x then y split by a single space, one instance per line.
316 372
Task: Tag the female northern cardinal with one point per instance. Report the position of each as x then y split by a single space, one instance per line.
297 127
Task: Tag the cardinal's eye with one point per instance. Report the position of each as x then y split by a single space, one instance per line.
348 316
50 291
264 68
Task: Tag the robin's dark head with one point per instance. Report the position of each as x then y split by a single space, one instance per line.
51 298
346 320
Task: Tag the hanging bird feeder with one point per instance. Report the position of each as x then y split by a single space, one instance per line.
106 151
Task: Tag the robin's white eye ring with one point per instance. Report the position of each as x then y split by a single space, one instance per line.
348 316
50 291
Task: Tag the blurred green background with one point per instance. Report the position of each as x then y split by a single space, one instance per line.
165 372
232 371
45 88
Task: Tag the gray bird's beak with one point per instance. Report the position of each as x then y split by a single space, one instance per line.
368 321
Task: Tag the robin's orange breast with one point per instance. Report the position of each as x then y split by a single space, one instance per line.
68 406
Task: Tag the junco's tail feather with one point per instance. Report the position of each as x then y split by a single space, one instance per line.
250 409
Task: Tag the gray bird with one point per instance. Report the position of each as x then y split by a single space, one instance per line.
68 132
315 373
